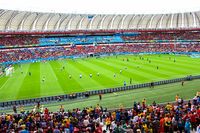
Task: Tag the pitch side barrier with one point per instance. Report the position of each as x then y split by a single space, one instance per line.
51 99
97 54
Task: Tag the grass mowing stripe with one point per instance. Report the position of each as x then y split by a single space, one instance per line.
85 75
152 67
50 86
81 85
13 84
120 77
184 59
182 65
134 71
104 72
165 67
169 67
102 78
60 76
144 70
31 84
75 85
137 77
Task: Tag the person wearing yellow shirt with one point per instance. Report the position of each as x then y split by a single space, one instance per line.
145 128
176 98
7 117
168 107
113 115
108 123
150 109
21 109
62 108
144 101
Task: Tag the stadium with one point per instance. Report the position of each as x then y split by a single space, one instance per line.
99 73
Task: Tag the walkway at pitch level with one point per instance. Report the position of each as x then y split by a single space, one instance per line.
44 100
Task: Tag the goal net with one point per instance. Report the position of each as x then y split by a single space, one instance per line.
9 70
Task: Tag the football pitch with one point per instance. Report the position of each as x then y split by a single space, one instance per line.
63 76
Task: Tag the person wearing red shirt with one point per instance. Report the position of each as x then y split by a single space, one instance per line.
193 121
98 128
162 125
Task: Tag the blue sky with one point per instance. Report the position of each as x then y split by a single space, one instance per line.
103 6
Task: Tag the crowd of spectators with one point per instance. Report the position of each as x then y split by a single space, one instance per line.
141 118
15 41
144 42
19 54
28 40
171 36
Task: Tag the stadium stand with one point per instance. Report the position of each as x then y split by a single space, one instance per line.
17 55
180 116
17 41
15 49
32 37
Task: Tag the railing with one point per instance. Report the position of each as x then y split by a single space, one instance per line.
9 104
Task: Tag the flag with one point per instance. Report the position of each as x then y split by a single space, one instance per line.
90 17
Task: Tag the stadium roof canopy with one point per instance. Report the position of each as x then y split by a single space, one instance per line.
12 20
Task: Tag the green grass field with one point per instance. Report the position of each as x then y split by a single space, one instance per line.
22 86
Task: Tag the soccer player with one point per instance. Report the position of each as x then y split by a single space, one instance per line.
182 83
124 83
70 76
152 85
130 80
80 76
114 75
14 109
43 79
90 75
98 74
120 71
62 108
100 96
157 67
29 73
